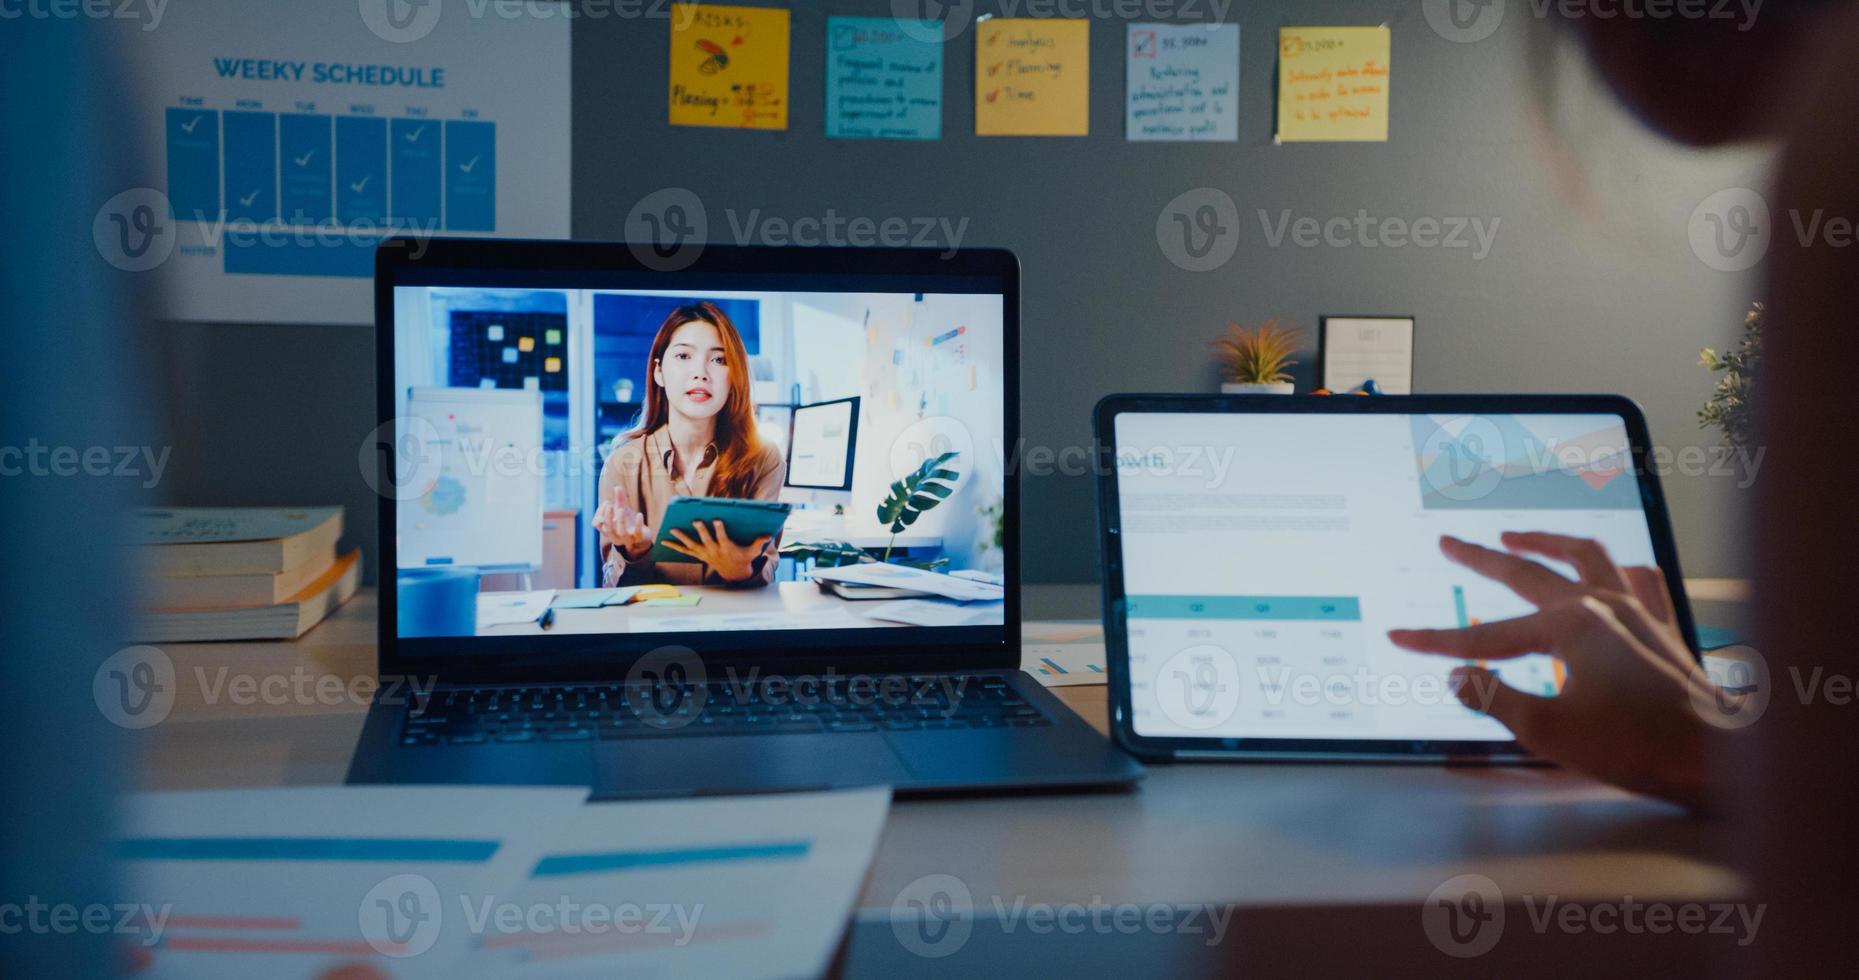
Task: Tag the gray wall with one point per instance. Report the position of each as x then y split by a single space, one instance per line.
1590 285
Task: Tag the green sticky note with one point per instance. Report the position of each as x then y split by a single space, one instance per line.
553 336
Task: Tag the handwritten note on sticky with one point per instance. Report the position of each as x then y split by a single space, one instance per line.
1333 84
1032 77
1183 83
729 66
882 83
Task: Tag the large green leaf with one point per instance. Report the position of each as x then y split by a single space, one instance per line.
919 491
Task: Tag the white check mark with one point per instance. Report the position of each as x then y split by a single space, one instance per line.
188 127
356 187
415 135
247 200
468 167
304 161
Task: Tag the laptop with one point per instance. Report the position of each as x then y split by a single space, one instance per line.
847 612
1257 550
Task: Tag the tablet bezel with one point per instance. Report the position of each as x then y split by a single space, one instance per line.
718 509
1116 637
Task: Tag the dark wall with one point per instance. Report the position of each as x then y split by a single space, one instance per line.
1590 283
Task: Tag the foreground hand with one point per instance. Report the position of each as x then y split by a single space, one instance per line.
731 562
621 526
1635 710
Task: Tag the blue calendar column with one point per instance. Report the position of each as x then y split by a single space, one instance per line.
308 160
416 173
361 172
252 166
470 175
193 164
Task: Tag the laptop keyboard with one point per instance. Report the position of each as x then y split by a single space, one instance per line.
475 716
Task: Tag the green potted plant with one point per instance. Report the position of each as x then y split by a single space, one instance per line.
1729 408
1255 361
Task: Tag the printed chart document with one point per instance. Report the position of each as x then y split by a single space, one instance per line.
295 882
759 886
505 608
492 882
1062 654
914 579
932 612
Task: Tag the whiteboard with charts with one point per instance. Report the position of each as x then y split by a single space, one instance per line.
475 496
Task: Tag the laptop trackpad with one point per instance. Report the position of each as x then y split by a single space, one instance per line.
680 766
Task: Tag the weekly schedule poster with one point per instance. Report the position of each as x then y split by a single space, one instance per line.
282 141
1183 83
729 66
1333 84
881 83
1032 77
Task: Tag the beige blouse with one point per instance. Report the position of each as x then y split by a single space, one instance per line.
643 467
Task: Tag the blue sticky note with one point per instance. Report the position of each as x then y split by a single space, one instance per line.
883 81
1183 83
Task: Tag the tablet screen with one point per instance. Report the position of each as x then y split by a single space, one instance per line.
1267 555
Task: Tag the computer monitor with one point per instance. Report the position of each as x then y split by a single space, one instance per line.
553 399
822 445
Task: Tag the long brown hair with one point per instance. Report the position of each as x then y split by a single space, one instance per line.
737 443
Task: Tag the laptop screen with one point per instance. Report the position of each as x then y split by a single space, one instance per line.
1266 556
665 454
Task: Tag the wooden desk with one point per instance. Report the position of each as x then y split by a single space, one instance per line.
796 603
1248 835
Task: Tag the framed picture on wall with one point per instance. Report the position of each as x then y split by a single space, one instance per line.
1354 350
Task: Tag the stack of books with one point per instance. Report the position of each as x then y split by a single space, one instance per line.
242 573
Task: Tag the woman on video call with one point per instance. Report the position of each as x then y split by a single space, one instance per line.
697 439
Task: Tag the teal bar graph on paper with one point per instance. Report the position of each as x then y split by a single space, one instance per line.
306 849
572 864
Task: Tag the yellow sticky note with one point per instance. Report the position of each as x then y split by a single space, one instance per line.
552 365
1032 77
729 66
526 344
1333 84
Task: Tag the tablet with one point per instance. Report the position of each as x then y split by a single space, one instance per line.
743 520
1257 549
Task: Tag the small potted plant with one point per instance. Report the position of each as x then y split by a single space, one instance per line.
1729 408
1255 361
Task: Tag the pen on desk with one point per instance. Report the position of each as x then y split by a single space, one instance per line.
548 618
